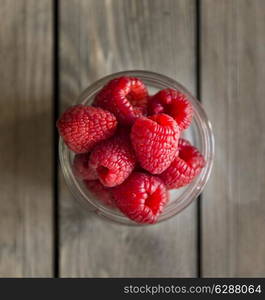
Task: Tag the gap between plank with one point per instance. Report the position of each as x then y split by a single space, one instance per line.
198 94
56 95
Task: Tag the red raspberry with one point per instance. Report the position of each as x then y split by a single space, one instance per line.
113 160
125 97
184 168
173 103
81 169
141 197
155 141
82 127
102 193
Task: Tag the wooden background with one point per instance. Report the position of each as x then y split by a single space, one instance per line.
49 52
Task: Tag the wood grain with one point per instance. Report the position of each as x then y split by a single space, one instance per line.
25 144
233 92
98 38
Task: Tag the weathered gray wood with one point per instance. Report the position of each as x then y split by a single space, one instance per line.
26 135
233 92
98 38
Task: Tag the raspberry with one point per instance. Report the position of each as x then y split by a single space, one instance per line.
82 127
155 141
113 160
184 168
125 97
141 197
173 103
81 169
102 193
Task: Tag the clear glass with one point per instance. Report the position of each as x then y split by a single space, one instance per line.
199 134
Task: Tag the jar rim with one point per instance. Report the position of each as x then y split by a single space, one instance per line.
192 191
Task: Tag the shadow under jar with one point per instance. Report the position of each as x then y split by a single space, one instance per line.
199 134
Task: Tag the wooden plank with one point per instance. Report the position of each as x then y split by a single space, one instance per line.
98 38
25 145
233 92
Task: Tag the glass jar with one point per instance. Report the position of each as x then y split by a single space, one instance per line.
199 134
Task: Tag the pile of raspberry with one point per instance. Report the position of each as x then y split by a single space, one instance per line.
129 152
